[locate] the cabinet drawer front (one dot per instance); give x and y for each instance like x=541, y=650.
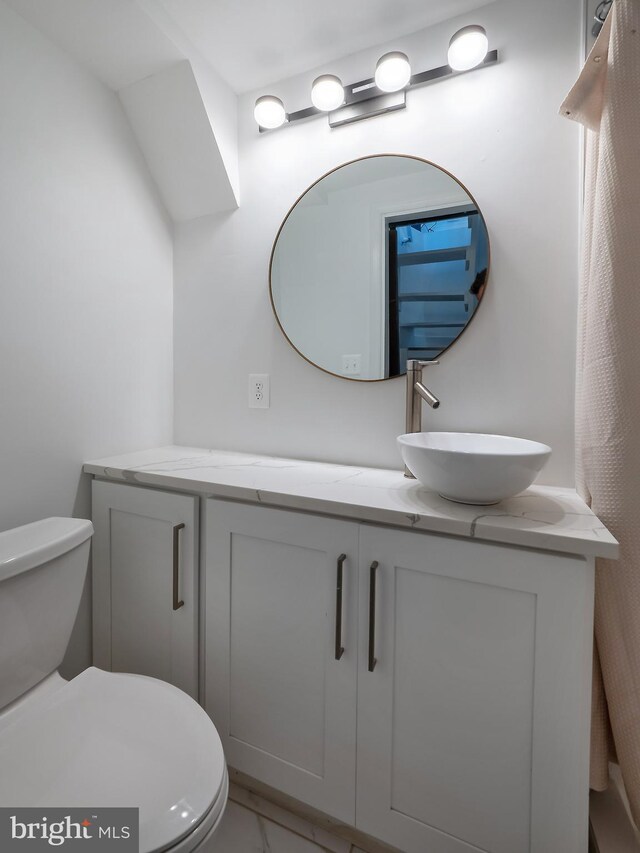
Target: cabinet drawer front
x=471, y=723
x=145, y=583
x=278, y=685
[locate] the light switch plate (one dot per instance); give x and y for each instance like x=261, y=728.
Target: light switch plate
x=258, y=390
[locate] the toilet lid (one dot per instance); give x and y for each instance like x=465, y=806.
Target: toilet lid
x=110, y=739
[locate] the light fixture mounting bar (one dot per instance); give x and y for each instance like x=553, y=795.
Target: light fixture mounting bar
x=366, y=90
x=385, y=102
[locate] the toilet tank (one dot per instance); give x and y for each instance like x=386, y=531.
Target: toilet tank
x=42, y=571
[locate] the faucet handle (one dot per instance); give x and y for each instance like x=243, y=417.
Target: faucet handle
x=415, y=363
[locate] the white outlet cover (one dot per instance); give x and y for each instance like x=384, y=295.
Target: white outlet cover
x=351, y=365
x=258, y=390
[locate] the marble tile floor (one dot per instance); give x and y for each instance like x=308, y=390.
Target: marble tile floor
x=246, y=828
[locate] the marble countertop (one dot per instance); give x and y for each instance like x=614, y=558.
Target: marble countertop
x=544, y=517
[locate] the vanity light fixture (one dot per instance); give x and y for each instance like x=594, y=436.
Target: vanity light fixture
x=382, y=93
x=269, y=112
x=468, y=48
x=327, y=93
x=393, y=71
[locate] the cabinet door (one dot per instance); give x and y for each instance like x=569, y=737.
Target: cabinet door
x=144, y=566
x=473, y=727
x=283, y=698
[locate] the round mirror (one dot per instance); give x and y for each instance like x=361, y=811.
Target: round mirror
x=381, y=260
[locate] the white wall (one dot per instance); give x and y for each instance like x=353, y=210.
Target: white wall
x=85, y=287
x=499, y=132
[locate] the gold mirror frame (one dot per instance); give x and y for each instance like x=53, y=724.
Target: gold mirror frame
x=293, y=207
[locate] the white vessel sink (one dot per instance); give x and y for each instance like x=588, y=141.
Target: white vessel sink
x=473, y=468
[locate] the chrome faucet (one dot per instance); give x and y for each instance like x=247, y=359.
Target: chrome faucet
x=416, y=393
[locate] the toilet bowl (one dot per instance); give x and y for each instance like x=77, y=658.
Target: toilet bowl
x=102, y=739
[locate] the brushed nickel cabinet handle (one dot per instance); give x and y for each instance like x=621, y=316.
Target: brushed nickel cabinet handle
x=177, y=603
x=372, y=615
x=339, y=649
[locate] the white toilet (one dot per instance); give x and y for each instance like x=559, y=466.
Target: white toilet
x=102, y=739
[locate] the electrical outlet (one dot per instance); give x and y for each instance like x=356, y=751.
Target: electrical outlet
x=258, y=390
x=351, y=365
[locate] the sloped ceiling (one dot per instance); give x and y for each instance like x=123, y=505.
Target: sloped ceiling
x=167, y=114
x=115, y=39
x=181, y=111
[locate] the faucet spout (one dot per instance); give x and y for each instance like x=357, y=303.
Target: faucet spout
x=416, y=393
x=427, y=395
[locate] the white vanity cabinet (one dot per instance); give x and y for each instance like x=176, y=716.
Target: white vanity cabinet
x=473, y=730
x=457, y=717
x=280, y=674
x=145, y=580
x=421, y=671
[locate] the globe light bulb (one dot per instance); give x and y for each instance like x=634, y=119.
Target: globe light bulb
x=269, y=112
x=393, y=71
x=327, y=92
x=468, y=47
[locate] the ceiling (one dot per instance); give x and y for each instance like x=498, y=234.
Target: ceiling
x=250, y=43
x=257, y=42
x=115, y=39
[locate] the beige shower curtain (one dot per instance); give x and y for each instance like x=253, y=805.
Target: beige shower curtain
x=606, y=100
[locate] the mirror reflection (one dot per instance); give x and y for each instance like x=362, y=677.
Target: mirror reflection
x=383, y=259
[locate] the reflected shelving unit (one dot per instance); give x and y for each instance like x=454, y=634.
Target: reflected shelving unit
x=437, y=264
